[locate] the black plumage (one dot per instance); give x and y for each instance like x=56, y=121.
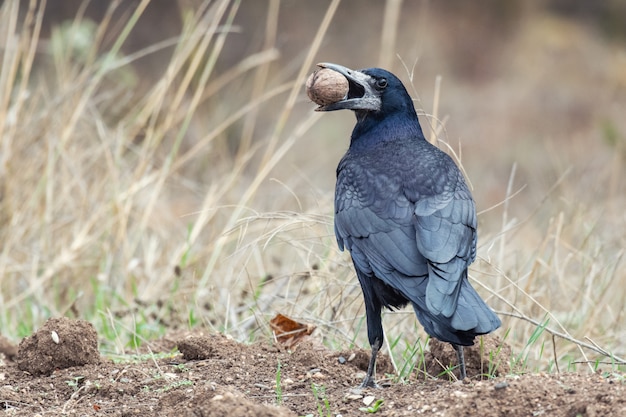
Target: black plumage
x=405, y=213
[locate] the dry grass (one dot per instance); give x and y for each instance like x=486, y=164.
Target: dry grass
x=132, y=210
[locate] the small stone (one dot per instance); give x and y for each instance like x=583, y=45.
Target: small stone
x=368, y=400
x=500, y=385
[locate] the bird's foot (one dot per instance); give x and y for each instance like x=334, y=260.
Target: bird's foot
x=369, y=382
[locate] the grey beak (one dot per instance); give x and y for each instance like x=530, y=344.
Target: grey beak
x=361, y=94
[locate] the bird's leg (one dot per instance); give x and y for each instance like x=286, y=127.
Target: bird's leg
x=369, y=381
x=375, y=333
x=460, y=359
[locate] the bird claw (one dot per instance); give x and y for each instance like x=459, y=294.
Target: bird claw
x=369, y=383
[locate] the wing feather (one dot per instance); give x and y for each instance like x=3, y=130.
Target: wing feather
x=400, y=241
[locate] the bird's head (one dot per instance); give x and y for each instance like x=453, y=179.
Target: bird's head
x=372, y=91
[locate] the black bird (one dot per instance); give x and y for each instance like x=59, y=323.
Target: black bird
x=405, y=213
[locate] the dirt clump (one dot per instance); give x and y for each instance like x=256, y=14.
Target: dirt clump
x=195, y=348
x=60, y=343
x=203, y=347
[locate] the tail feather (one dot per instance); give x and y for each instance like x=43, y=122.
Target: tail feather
x=472, y=313
x=471, y=318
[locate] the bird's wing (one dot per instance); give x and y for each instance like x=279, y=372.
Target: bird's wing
x=373, y=220
x=445, y=229
x=397, y=239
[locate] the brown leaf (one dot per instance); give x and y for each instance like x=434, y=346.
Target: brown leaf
x=288, y=332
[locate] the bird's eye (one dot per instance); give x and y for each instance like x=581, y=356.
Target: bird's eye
x=381, y=83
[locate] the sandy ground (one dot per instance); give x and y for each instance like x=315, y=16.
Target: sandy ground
x=58, y=371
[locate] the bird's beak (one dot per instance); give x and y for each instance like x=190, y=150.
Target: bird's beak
x=361, y=95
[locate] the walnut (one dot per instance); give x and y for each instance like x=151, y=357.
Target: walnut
x=326, y=86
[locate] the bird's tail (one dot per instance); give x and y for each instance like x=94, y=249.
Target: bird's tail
x=471, y=318
x=472, y=313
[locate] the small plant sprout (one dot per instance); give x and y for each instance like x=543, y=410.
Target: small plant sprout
x=323, y=405
x=279, y=388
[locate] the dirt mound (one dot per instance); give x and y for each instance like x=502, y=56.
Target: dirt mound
x=205, y=347
x=361, y=358
x=489, y=356
x=61, y=343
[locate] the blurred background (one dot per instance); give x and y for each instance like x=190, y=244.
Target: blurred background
x=162, y=167
x=515, y=75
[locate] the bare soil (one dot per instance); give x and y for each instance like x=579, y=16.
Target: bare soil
x=57, y=371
